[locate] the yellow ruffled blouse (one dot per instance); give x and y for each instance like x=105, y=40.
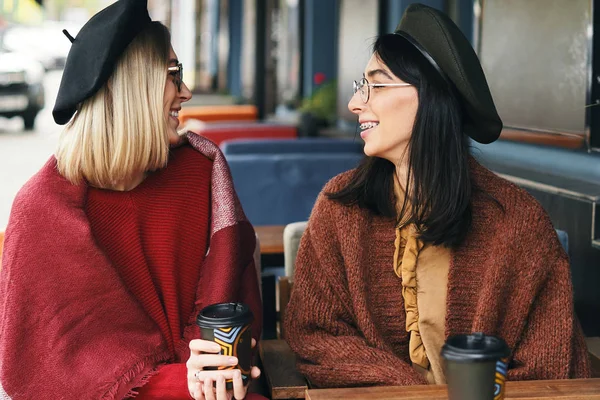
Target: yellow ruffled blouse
x=424, y=291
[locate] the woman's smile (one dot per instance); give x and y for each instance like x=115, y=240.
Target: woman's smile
x=367, y=127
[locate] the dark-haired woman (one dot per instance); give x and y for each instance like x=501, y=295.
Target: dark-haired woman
x=421, y=242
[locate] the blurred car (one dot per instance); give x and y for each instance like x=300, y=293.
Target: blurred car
x=21, y=87
x=45, y=43
x=56, y=42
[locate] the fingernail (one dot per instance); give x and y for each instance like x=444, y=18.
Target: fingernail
x=233, y=361
x=216, y=347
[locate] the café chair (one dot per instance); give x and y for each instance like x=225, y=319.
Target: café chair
x=220, y=132
x=292, y=234
x=563, y=237
x=219, y=113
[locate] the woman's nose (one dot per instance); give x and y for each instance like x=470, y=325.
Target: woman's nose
x=356, y=105
x=185, y=94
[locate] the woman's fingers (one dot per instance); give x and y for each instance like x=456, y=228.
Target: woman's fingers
x=204, y=346
x=239, y=390
x=221, y=388
x=196, y=392
x=213, y=375
x=202, y=361
x=209, y=392
x=210, y=379
x=254, y=372
x=211, y=385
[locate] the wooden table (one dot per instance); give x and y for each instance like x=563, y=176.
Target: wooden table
x=593, y=345
x=271, y=238
x=569, y=389
x=279, y=367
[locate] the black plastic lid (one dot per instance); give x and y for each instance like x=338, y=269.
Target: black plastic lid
x=223, y=315
x=476, y=347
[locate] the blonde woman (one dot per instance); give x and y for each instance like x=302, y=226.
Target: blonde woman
x=116, y=243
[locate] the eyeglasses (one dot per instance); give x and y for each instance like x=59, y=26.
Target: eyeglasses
x=364, y=87
x=177, y=73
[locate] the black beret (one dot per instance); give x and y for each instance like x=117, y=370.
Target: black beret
x=435, y=35
x=95, y=52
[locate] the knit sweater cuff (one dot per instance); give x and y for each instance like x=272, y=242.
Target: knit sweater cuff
x=351, y=363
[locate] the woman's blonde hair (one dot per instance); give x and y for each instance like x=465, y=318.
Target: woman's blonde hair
x=121, y=131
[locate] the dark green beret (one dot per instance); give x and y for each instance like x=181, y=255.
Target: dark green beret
x=95, y=52
x=435, y=35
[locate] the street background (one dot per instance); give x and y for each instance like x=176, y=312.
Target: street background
x=34, y=32
x=22, y=153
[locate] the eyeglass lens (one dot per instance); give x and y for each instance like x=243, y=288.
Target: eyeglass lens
x=177, y=73
x=362, y=86
x=179, y=77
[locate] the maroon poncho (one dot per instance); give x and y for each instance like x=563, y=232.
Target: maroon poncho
x=69, y=328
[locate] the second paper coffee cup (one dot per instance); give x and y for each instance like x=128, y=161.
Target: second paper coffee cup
x=475, y=367
x=229, y=325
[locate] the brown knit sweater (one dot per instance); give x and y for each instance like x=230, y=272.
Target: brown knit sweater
x=510, y=278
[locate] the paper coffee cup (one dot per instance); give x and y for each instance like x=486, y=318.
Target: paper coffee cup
x=229, y=325
x=475, y=367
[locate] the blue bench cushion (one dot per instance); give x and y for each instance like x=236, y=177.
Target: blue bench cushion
x=303, y=145
x=276, y=189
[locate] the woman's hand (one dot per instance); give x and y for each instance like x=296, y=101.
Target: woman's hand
x=205, y=353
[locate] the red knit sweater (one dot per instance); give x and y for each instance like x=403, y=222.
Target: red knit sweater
x=155, y=244
x=158, y=248
x=510, y=278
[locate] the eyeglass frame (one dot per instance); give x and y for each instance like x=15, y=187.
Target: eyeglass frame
x=178, y=70
x=357, y=85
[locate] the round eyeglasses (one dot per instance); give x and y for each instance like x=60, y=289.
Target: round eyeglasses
x=364, y=87
x=177, y=73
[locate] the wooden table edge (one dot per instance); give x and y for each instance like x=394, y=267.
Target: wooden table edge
x=265, y=233
x=564, y=389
